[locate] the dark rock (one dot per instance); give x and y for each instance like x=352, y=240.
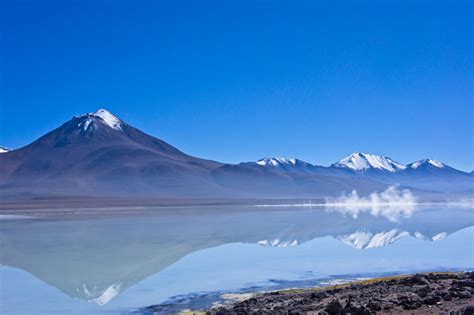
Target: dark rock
x=464, y=283
x=374, y=306
x=416, y=279
x=464, y=294
x=387, y=306
x=334, y=307
x=446, y=296
x=423, y=292
x=318, y=295
x=362, y=310
x=430, y=300
x=468, y=310
x=409, y=302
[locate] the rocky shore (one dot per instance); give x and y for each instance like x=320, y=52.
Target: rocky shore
x=434, y=293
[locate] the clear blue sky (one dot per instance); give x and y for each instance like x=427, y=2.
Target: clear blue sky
x=240, y=80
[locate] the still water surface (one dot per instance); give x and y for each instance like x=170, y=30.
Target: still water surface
x=189, y=256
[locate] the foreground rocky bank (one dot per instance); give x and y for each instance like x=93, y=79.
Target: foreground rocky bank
x=434, y=293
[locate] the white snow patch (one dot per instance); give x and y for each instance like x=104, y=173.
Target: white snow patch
x=276, y=162
x=106, y=117
x=4, y=150
x=363, y=161
x=109, y=119
x=85, y=125
x=435, y=163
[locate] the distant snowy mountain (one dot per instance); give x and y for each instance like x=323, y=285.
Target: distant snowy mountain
x=276, y=162
x=426, y=174
x=435, y=175
x=284, y=165
x=4, y=150
x=426, y=163
x=361, y=162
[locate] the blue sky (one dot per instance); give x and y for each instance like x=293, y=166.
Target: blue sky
x=240, y=80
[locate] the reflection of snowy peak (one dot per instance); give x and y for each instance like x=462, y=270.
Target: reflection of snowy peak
x=278, y=243
x=98, y=296
x=165, y=239
x=365, y=239
x=437, y=237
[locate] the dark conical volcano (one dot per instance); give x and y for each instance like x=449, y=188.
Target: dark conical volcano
x=97, y=152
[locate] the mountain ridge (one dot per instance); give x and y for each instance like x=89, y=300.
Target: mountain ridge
x=102, y=154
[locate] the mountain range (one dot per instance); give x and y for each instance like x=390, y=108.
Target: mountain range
x=100, y=154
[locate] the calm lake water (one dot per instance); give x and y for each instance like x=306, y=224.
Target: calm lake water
x=188, y=257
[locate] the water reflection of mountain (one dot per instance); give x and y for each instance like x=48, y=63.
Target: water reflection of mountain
x=97, y=259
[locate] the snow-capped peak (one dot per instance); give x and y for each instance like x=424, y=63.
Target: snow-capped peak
x=419, y=163
x=109, y=119
x=4, y=150
x=105, y=117
x=276, y=162
x=363, y=161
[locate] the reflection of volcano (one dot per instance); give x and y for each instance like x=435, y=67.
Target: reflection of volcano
x=97, y=259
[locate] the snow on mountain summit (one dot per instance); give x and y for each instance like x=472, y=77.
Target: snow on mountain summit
x=105, y=117
x=276, y=162
x=431, y=162
x=363, y=161
x=4, y=150
x=109, y=119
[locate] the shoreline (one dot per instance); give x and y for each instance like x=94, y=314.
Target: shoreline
x=415, y=293
x=421, y=293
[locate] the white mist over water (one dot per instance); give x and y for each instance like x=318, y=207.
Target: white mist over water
x=391, y=203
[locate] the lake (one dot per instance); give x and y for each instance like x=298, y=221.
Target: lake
x=188, y=257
